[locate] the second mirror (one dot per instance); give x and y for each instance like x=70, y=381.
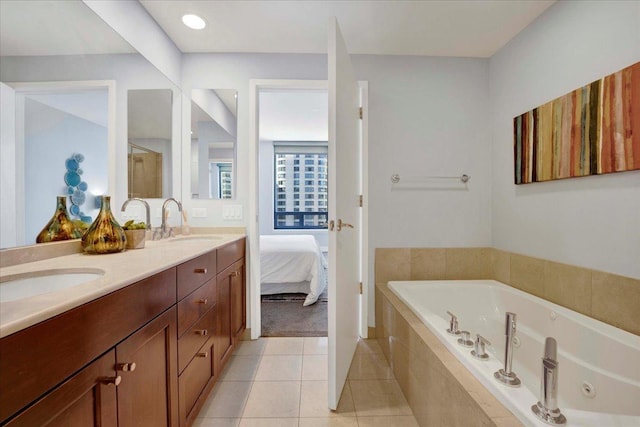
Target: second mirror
x=213, y=143
x=149, y=149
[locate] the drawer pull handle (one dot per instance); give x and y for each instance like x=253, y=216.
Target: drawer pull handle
x=204, y=301
x=111, y=380
x=126, y=367
x=234, y=274
x=200, y=271
x=203, y=354
x=202, y=332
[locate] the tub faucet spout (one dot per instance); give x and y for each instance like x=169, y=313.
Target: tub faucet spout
x=547, y=407
x=506, y=376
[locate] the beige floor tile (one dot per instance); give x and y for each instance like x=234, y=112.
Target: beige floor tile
x=315, y=367
x=281, y=346
x=273, y=399
x=279, y=368
x=328, y=422
x=398, y=421
x=269, y=422
x=216, y=422
x=368, y=346
x=313, y=401
x=378, y=397
x=316, y=345
x=250, y=348
x=226, y=400
x=240, y=368
x=370, y=366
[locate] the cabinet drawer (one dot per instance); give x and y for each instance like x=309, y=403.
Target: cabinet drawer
x=195, y=337
x=230, y=253
x=191, y=308
x=194, y=273
x=195, y=378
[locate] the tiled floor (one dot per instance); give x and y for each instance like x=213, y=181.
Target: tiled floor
x=282, y=382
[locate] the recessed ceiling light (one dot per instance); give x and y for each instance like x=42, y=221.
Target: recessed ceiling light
x=193, y=21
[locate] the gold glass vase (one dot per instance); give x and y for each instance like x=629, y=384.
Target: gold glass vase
x=105, y=235
x=60, y=226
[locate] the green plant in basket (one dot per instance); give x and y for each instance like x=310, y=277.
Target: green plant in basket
x=132, y=225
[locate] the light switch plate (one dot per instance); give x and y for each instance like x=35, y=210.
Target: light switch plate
x=232, y=212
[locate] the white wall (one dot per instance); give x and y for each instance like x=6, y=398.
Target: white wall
x=591, y=221
x=8, y=228
x=427, y=117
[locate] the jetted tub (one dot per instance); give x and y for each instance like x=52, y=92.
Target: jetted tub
x=599, y=365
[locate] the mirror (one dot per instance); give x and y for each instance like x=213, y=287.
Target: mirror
x=213, y=143
x=149, y=143
x=50, y=64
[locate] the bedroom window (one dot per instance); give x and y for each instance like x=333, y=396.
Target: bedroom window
x=313, y=214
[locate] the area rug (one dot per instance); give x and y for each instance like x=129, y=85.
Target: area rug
x=284, y=316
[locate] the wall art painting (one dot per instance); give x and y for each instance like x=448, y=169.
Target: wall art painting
x=591, y=131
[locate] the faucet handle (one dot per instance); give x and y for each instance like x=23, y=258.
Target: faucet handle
x=465, y=339
x=453, y=324
x=478, y=349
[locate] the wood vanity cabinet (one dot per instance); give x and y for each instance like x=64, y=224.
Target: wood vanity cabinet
x=145, y=355
x=231, y=298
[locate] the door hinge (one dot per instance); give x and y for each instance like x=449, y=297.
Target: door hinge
x=361, y=114
x=360, y=200
x=360, y=288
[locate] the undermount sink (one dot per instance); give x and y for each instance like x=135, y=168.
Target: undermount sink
x=18, y=286
x=195, y=238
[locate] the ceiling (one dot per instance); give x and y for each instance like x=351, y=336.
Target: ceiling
x=45, y=27
x=465, y=28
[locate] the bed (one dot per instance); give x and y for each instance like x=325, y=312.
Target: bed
x=292, y=264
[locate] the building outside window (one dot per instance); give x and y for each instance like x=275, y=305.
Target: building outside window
x=287, y=157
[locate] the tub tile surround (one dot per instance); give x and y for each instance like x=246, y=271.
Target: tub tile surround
x=610, y=298
x=439, y=389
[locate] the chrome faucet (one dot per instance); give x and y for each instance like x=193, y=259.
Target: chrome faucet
x=146, y=206
x=506, y=376
x=164, y=230
x=453, y=324
x=547, y=407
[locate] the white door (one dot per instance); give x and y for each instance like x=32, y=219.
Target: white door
x=344, y=187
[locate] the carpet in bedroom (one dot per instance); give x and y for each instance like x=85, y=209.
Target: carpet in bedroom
x=284, y=316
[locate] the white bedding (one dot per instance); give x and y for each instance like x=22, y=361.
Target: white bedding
x=293, y=259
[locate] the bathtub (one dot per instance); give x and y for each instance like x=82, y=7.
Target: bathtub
x=599, y=365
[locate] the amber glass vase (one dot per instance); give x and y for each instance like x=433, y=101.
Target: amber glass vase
x=105, y=235
x=60, y=226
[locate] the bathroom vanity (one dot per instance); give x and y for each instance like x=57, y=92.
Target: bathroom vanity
x=146, y=352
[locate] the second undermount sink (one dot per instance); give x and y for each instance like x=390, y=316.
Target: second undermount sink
x=196, y=238
x=24, y=285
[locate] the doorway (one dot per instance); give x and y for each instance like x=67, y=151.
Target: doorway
x=293, y=201
x=263, y=191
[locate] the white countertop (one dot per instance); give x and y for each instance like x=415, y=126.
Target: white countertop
x=121, y=269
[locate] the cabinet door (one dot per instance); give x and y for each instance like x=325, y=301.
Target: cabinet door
x=147, y=362
x=225, y=342
x=238, y=300
x=87, y=399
